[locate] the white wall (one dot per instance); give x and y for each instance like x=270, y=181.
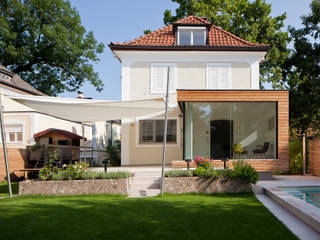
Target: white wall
x=191, y=74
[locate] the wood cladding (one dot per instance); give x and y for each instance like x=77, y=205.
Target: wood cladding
x=314, y=157
x=282, y=99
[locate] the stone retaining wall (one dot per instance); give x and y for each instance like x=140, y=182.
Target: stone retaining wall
x=178, y=185
x=74, y=187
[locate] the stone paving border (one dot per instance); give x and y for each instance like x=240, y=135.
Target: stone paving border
x=306, y=212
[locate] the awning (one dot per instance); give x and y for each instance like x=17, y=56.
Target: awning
x=89, y=110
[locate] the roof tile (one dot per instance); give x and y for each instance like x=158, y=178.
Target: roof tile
x=165, y=37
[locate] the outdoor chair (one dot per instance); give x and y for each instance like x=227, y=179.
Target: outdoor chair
x=261, y=151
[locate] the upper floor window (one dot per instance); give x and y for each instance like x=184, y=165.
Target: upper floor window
x=14, y=133
x=192, y=36
x=159, y=76
x=218, y=76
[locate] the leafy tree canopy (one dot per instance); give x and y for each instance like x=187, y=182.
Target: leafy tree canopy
x=250, y=20
x=44, y=42
x=302, y=72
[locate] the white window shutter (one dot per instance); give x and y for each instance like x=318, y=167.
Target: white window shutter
x=159, y=78
x=172, y=79
x=218, y=76
x=224, y=77
x=212, y=77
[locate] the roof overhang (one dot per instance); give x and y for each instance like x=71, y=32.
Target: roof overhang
x=117, y=47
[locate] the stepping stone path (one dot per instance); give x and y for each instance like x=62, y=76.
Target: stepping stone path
x=145, y=184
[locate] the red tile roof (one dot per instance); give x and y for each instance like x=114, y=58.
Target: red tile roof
x=63, y=132
x=165, y=38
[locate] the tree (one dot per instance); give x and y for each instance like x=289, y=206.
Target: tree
x=302, y=72
x=246, y=19
x=44, y=42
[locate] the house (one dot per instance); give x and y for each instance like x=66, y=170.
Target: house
x=217, y=107
x=22, y=122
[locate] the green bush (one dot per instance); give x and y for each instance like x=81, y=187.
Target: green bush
x=200, y=172
x=179, y=173
x=295, y=157
x=103, y=175
x=243, y=170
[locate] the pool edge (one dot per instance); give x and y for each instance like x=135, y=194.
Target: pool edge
x=306, y=212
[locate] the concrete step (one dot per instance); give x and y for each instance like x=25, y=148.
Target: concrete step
x=144, y=193
x=145, y=185
x=257, y=189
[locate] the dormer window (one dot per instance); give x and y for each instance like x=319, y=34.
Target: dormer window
x=192, y=36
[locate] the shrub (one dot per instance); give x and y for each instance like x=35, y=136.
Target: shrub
x=200, y=172
x=179, y=173
x=46, y=173
x=76, y=170
x=243, y=170
x=103, y=175
x=202, y=162
x=295, y=157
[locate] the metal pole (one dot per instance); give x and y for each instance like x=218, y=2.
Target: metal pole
x=165, y=133
x=4, y=146
x=304, y=153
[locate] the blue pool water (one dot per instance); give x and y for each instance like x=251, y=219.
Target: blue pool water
x=308, y=194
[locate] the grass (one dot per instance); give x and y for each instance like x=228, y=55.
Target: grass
x=4, y=188
x=187, y=216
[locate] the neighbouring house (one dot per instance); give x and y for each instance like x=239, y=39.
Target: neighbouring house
x=22, y=122
x=217, y=107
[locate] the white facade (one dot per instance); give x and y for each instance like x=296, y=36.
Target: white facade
x=189, y=70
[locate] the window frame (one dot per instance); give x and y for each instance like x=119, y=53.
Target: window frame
x=219, y=65
x=158, y=144
x=171, y=65
x=7, y=133
x=192, y=29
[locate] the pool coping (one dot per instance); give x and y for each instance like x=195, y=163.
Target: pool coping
x=306, y=212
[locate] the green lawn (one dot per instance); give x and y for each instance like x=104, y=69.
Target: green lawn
x=116, y=217
x=4, y=188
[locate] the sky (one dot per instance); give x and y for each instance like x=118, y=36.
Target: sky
x=125, y=20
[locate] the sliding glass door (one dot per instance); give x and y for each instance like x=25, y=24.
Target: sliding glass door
x=234, y=130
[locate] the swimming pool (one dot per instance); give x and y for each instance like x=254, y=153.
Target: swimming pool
x=308, y=194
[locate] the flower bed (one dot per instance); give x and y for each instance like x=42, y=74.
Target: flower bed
x=208, y=180
x=76, y=179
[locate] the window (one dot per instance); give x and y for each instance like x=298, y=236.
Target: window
x=236, y=130
x=151, y=131
x=14, y=133
x=192, y=36
x=159, y=76
x=218, y=76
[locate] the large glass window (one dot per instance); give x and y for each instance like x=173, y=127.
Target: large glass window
x=235, y=130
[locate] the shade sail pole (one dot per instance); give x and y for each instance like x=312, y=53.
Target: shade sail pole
x=4, y=146
x=165, y=133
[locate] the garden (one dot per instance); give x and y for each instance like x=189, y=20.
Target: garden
x=208, y=179
x=75, y=178
x=187, y=216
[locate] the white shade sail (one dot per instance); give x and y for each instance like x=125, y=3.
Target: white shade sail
x=89, y=110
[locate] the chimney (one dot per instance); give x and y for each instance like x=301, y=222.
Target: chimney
x=80, y=94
